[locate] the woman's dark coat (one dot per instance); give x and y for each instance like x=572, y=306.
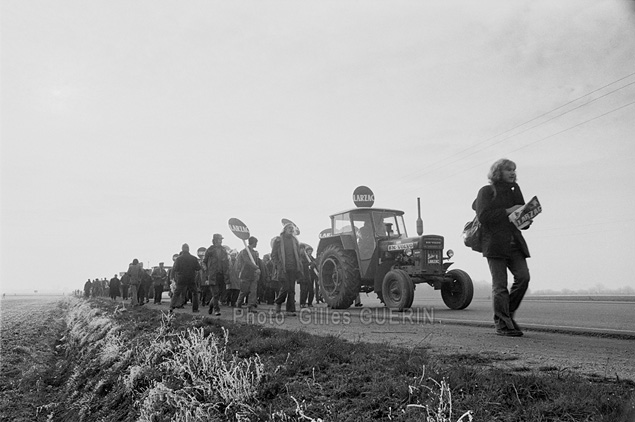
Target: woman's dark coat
x=498, y=232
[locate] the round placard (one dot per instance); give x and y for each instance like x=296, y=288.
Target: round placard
x=238, y=228
x=363, y=197
x=325, y=233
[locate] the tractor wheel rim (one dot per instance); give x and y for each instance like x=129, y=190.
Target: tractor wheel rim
x=394, y=291
x=334, y=279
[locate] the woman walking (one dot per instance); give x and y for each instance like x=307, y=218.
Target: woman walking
x=503, y=244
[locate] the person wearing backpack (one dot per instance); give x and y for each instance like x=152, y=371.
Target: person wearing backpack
x=503, y=244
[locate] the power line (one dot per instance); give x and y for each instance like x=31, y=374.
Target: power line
x=429, y=169
x=574, y=126
x=544, y=122
x=572, y=101
x=454, y=173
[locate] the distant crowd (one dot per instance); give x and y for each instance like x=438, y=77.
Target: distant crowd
x=219, y=276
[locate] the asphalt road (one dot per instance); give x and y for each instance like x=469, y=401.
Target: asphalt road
x=593, y=317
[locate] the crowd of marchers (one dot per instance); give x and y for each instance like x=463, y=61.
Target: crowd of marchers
x=221, y=277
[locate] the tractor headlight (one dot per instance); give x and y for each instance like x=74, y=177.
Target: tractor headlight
x=450, y=253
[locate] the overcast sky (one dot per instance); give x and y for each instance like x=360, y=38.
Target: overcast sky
x=129, y=128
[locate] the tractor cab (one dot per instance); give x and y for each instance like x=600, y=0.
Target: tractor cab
x=366, y=227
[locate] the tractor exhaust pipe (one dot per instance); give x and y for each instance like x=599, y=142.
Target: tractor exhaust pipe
x=419, y=220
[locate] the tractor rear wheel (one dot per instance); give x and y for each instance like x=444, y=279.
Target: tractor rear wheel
x=339, y=276
x=458, y=293
x=397, y=290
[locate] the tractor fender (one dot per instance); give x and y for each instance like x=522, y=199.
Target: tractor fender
x=345, y=240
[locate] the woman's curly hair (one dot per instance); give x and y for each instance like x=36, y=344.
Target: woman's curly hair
x=496, y=171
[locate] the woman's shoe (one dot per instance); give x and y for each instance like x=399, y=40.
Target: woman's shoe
x=508, y=332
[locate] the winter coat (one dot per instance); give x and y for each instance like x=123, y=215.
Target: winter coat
x=216, y=261
x=268, y=272
x=499, y=234
x=114, y=287
x=233, y=282
x=136, y=273
x=159, y=276
x=185, y=267
x=125, y=279
x=278, y=255
x=146, y=279
x=247, y=269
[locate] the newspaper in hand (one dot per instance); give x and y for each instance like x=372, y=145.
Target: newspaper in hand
x=523, y=216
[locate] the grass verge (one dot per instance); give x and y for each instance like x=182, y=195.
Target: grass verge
x=140, y=365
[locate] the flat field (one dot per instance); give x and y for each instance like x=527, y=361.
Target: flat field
x=30, y=330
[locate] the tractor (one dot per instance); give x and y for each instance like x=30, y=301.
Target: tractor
x=367, y=249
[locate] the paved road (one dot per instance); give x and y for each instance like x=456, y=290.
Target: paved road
x=594, y=317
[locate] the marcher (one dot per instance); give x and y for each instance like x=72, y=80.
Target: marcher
x=125, y=286
x=249, y=274
x=145, y=288
x=96, y=288
x=114, y=287
x=159, y=277
x=201, y=279
x=269, y=286
x=307, y=281
x=88, y=286
x=232, y=286
x=503, y=244
x=135, y=272
x=171, y=283
x=185, y=268
x=285, y=254
x=216, y=266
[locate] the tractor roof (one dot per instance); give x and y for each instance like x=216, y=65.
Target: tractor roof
x=362, y=209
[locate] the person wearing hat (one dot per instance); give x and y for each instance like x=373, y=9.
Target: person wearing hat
x=309, y=277
x=159, y=277
x=216, y=267
x=185, y=268
x=285, y=254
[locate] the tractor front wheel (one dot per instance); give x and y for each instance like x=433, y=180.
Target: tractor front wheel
x=457, y=294
x=397, y=290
